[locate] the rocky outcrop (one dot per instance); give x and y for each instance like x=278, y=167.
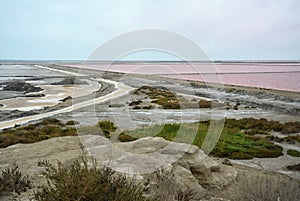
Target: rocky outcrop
x=191, y=167
x=20, y=86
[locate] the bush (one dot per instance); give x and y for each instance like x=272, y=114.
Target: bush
x=107, y=126
x=266, y=187
x=82, y=183
x=163, y=186
x=293, y=138
x=134, y=103
x=72, y=122
x=293, y=153
x=295, y=167
x=12, y=181
x=204, y=104
x=125, y=138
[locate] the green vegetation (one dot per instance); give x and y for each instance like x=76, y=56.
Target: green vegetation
x=168, y=100
x=293, y=138
x=80, y=182
x=72, y=122
x=205, y=104
x=295, y=167
x=294, y=153
x=237, y=140
x=125, y=138
x=12, y=181
x=134, y=103
x=167, y=103
x=43, y=130
x=107, y=127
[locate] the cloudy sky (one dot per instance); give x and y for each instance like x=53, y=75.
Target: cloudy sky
x=225, y=29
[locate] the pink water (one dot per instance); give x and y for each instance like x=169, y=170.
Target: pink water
x=282, y=76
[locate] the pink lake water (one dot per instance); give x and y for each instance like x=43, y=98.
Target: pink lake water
x=282, y=76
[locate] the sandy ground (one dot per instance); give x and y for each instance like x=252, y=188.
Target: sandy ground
x=53, y=95
x=121, y=89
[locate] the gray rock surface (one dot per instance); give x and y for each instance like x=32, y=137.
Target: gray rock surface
x=190, y=166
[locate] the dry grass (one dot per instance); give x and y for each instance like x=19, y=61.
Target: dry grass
x=263, y=187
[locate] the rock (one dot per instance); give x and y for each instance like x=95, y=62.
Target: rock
x=21, y=86
x=191, y=167
x=146, y=155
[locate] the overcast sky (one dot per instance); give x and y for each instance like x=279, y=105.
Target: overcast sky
x=225, y=29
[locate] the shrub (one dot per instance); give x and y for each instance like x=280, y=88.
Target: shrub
x=266, y=187
x=80, y=182
x=168, y=103
x=107, y=126
x=204, y=104
x=125, y=138
x=293, y=138
x=295, y=167
x=134, y=103
x=12, y=181
x=163, y=186
x=72, y=122
x=149, y=107
x=294, y=153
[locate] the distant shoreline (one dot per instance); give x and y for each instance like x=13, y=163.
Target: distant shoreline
x=8, y=61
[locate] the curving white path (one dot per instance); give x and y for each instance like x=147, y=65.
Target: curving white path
x=121, y=89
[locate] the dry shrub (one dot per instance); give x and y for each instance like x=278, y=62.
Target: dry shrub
x=264, y=187
x=162, y=185
x=81, y=182
x=12, y=181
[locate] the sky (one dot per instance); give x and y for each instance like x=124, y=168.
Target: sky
x=224, y=29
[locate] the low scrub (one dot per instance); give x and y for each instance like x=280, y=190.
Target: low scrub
x=13, y=181
x=125, y=138
x=43, y=130
x=107, y=127
x=71, y=123
x=294, y=153
x=263, y=186
x=80, y=182
x=295, y=167
x=233, y=142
